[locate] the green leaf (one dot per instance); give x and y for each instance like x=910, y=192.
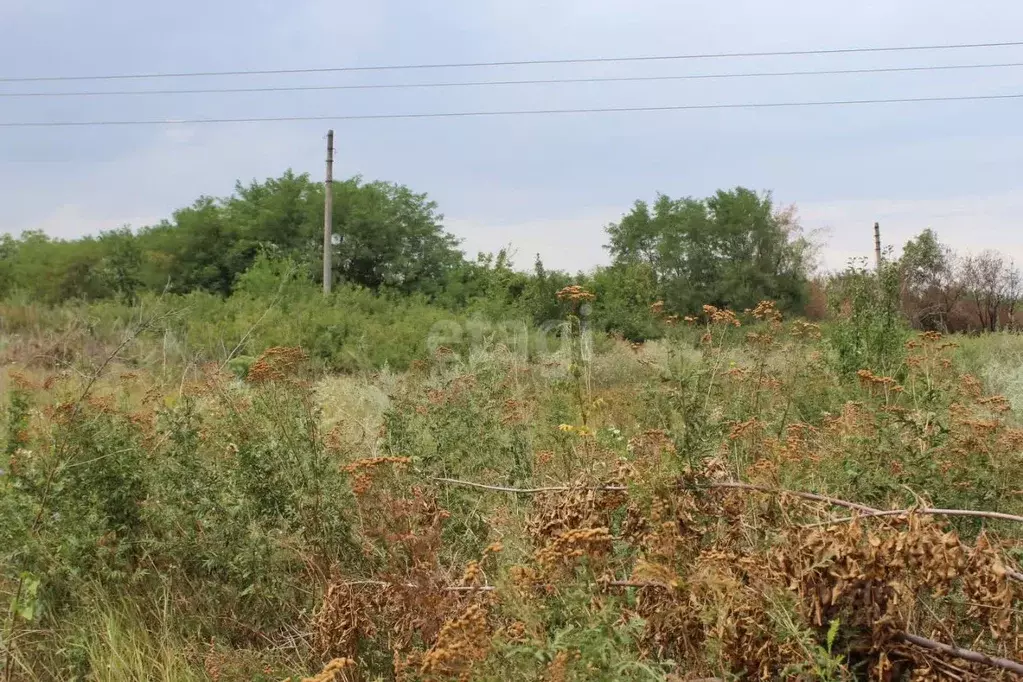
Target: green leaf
x=27, y=605
x=833, y=632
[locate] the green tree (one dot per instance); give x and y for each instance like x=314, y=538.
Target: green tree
x=389, y=237
x=625, y=292
x=121, y=264
x=732, y=249
x=539, y=296
x=53, y=270
x=931, y=282
x=279, y=211
x=200, y=248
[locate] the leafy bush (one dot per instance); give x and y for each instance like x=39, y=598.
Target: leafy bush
x=868, y=331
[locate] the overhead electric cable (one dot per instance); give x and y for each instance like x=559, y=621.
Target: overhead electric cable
x=512, y=112
x=520, y=62
x=539, y=81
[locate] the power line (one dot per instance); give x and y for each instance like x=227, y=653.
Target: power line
x=541, y=81
x=520, y=62
x=520, y=112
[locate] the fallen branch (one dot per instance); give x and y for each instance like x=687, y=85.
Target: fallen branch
x=867, y=511
x=639, y=584
x=964, y=654
x=529, y=491
x=493, y=588
x=923, y=511
x=871, y=512
x=834, y=501
x=446, y=588
x=780, y=491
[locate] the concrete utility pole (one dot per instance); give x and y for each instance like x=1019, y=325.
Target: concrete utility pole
x=328, y=214
x=877, y=245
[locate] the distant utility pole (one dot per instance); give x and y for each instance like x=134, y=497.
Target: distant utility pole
x=877, y=246
x=328, y=214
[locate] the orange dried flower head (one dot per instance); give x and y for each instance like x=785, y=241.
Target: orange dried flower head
x=767, y=311
x=575, y=294
x=462, y=641
x=335, y=671
x=275, y=364
x=722, y=316
x=802, y=329
x=472, y=573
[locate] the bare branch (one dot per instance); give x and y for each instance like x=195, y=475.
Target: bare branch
x=780, y=491
x=922, y=511
x=964, y=654
x=529, y=491
x=446, y=588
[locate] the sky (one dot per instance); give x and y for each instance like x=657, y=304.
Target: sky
x=544, y=185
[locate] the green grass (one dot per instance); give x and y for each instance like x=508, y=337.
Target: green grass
x=997, y=359
x=185, y=524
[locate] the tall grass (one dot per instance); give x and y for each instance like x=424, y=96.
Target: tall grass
x=257, y=520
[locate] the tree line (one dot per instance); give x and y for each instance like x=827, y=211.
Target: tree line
x=732, y=249
x=942, y=290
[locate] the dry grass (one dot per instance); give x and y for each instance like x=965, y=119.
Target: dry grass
x=634, y=556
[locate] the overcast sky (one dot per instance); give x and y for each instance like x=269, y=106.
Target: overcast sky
x=543, y=184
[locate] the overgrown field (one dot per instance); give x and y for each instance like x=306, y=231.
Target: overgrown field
x=598, y=511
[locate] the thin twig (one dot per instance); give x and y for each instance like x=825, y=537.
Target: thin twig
x=76, y=409
x=446, y=588
x=529, y=491
x=780, y=491
x=870, y=512
x=273, y=303
x=867, y=511
x=964, y=654
x=923, y=511
x=142, y=326
x=493, y=588
x=51, y=474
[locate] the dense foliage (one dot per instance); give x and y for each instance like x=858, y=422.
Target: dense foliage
x=731, y=249
x=388, y=238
